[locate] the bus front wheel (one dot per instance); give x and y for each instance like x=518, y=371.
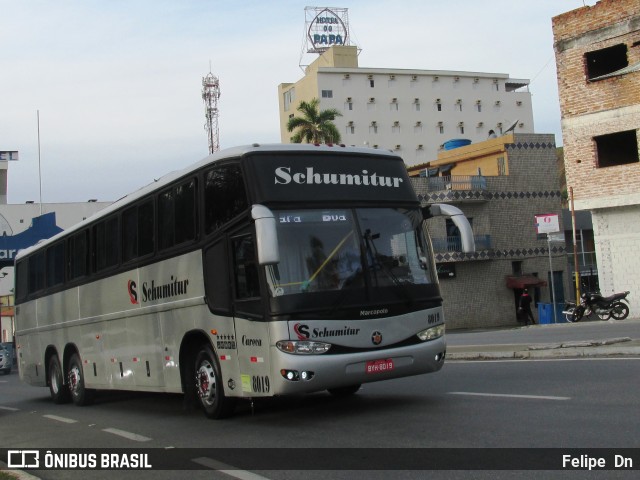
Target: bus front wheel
x=209, y=388
x=80, y=395
x=60, y=392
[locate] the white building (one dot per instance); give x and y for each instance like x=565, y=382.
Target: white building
x=412, y=111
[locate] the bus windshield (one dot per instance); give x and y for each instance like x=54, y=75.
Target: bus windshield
x=326, y=250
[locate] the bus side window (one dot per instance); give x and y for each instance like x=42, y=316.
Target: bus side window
x=177, y=215
x=138, y=231
x=55, y=264
x=36, y=272
x=245, y=268
x=22, y=279
x=224, y=196
x=78, y=255
x=216, y=277
x=106, y=243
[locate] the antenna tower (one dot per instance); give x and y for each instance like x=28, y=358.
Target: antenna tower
x=210, y=96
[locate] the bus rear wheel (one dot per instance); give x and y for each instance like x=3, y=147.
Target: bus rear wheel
x=80, y=395
x=209, y=388
x=60, y=392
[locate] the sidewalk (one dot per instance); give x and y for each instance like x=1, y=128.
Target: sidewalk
x=612, y=347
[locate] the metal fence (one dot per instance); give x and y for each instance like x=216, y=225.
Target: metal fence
x=457, y=182
x=454, y=243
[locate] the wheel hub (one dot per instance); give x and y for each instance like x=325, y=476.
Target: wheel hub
x=206, y=382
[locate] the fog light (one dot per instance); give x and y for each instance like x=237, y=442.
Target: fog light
x=291, y=375
x=306, y=375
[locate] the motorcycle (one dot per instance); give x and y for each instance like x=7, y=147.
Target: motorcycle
x=604, y=307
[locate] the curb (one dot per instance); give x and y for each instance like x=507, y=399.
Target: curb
x=18, y=474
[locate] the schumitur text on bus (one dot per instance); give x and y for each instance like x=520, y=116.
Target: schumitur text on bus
x=284, y=176
x=156, y=292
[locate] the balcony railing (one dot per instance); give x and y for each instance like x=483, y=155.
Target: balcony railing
x=586, y=260
x=457, y=182
x=454, y=244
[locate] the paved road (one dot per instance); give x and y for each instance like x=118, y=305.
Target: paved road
x=530, y=404
x=589, y=403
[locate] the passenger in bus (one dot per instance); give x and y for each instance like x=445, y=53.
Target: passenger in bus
x=322, y=271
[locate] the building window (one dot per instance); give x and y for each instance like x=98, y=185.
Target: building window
x=516, y=268
x=479, y=106
x=393, y=106
x=289, y=97
x=439, y=106
x=327, y=93
x=371, y=83
x=617, y=149
x=349, y=105
x=605, y=61
x=441, y=128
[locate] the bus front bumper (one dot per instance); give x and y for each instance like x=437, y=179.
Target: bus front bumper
x=295, y=374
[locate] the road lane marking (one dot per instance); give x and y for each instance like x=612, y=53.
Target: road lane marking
x=505, y=395
x=131, y=436
x=10, y=409
x=227, y=469
x=60, y=419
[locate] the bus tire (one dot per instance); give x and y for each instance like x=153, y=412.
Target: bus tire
x=209, y=388
x=80, y=395
x=344, y=391
x=60, y=392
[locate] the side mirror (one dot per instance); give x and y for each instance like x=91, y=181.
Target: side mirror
x=458, y=218
x=266, y=235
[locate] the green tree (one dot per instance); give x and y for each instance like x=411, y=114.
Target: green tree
x=314, y=126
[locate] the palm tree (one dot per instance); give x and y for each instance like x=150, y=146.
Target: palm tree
x=314, y=126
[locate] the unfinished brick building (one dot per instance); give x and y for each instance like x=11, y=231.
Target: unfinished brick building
x=598, y=65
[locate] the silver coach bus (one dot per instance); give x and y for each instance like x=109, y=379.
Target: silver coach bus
x=259, y=271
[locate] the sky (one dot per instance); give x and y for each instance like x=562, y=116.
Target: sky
x=116, y=84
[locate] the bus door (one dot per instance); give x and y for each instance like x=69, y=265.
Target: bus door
x=252, y=332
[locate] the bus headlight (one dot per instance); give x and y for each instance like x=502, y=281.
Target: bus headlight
x=431, y=333
x=303, y=347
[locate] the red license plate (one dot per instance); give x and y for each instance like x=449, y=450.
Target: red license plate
x=379, y=366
